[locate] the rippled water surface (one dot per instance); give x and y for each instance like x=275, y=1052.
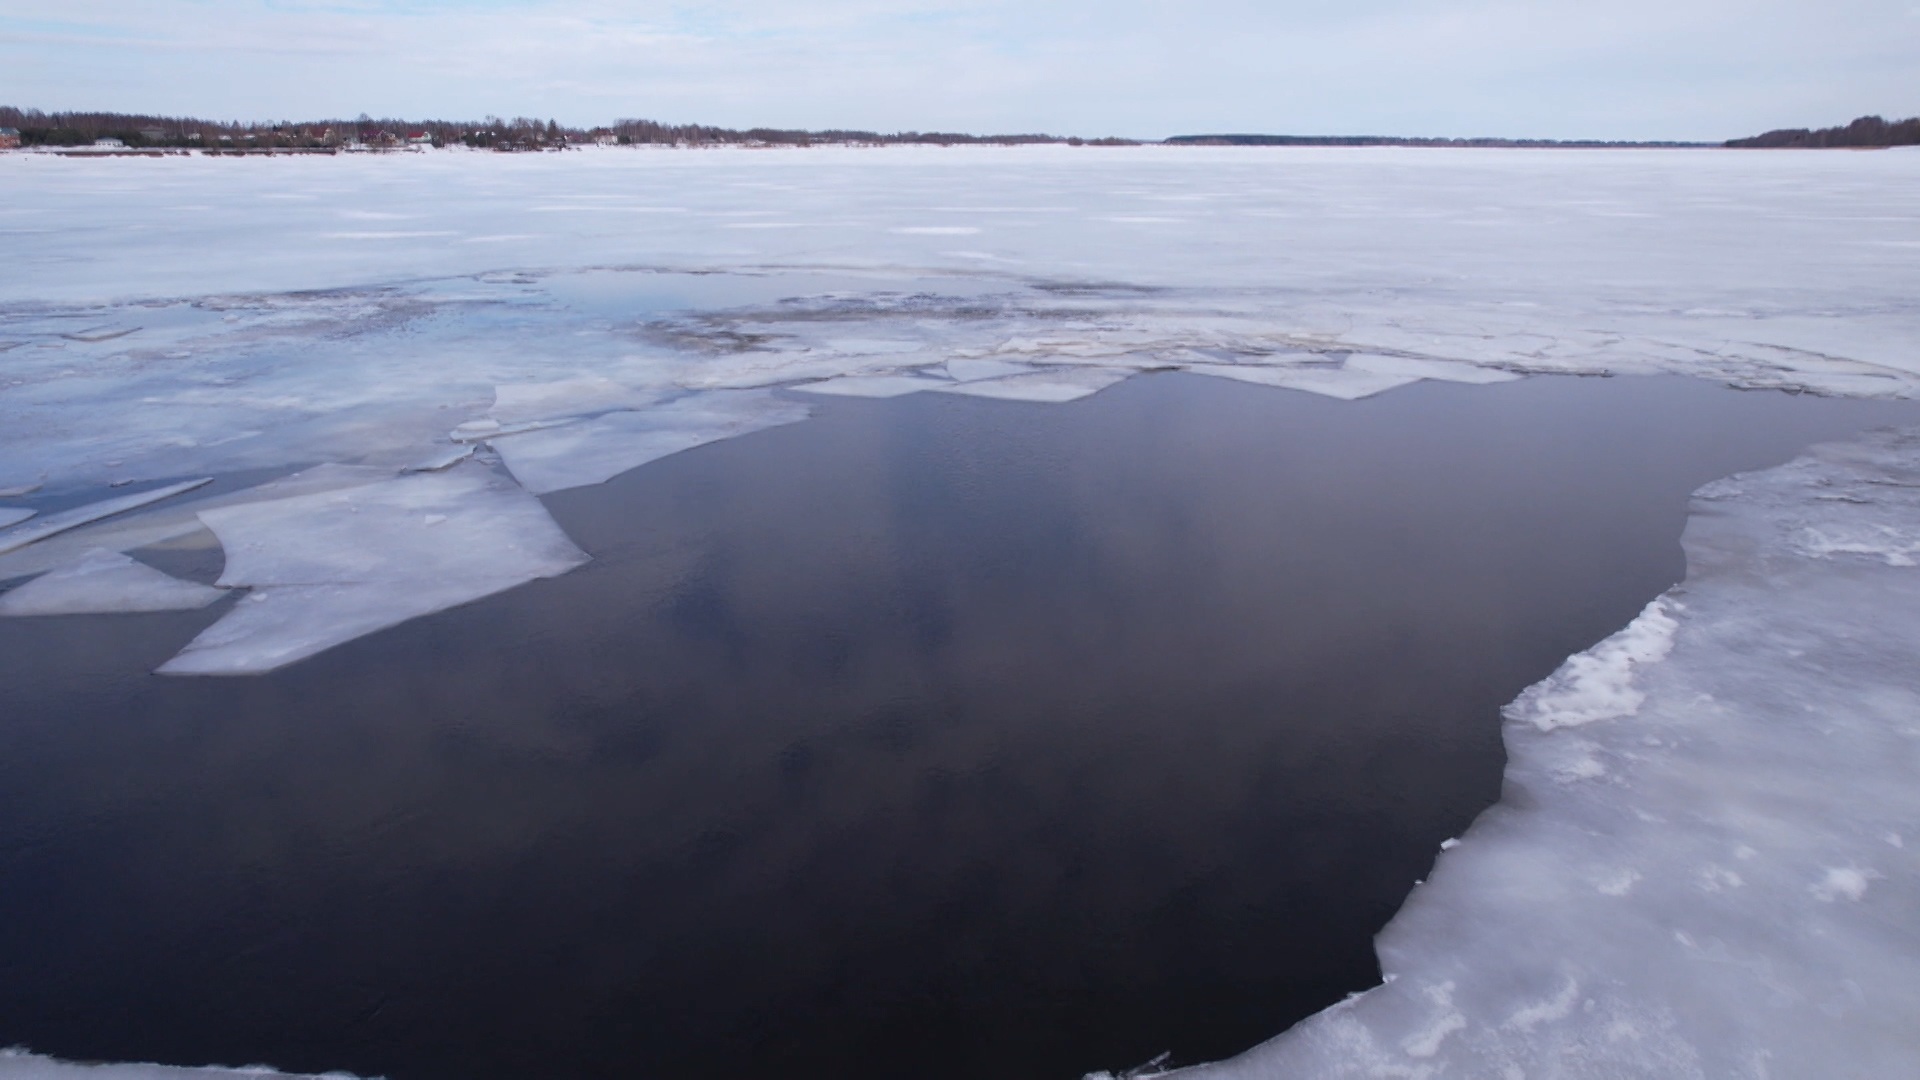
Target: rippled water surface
x=937, y=735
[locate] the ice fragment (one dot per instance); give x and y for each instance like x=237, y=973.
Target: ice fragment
x=55, y=524
x=103, y=582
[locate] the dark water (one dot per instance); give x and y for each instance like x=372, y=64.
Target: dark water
x=935, y=736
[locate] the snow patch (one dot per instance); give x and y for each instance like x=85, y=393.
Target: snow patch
x=1599, y=683
x=1842, y=883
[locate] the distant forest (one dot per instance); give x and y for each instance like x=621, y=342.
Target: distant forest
x=522, y=133
x=1866, y=131
x=140, y=131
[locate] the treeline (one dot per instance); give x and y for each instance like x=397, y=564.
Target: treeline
x=521, y=133
x=1394, y=140
x=1866, y=131
x=79, y=128
x=39, y=128
x=650, y=132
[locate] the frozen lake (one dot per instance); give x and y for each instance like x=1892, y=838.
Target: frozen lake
x=868, y=612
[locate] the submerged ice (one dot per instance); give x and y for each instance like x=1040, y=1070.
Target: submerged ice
x=1703, y=864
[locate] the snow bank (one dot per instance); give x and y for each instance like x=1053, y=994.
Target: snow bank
x=1706, y=861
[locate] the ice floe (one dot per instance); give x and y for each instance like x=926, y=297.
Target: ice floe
x=103, y=582
x=329, y=567
x=13, y=515
x=1347, y=384
x=54, y=524
x=593, y=451
x=1053, y=386
x=1689, y=873
x=171, y=522
x=871, y=386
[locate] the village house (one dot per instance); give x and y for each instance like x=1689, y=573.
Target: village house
x=9, y=139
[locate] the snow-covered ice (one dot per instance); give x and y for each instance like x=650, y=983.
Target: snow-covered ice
x=103, y=582
x=1697, y=868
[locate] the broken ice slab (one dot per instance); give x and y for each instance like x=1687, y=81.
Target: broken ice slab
x=13, y=515
x=105, y=582
x=99, y=334
x=1047, y=386
x=55, y=524
x=518, y=403
x=444, y=458
x=333, y=566
x=1414, y=367
x=17, y=490
x=593, y=451
x=1704, y=862
x=970, y=369
x=148, y=527
x=474, y=431
x=1334, y=382
x=872, y=386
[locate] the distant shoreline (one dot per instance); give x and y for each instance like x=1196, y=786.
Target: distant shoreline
x=130, y=134
x=1395, y=140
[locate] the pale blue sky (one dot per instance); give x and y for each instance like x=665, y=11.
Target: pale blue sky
x=1704, y=69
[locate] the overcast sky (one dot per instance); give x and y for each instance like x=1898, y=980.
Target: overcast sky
x=1685, y=69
